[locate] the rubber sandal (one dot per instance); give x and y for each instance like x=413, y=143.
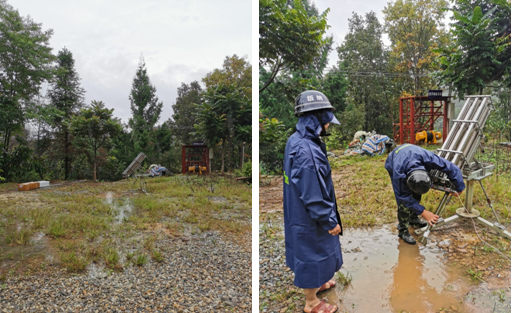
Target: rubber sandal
x=322, y=307
x=328, y=285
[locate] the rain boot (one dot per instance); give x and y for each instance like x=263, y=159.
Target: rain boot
x=417, y=222
x=406, y=236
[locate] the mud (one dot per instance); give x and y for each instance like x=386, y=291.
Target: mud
x=389, y=275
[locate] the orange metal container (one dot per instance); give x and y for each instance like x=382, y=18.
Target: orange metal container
x=28, y=186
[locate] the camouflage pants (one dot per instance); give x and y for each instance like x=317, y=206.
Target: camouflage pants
x=406, y=215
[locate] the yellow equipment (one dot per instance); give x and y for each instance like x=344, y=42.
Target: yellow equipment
x=428, y=136
x=197, y=169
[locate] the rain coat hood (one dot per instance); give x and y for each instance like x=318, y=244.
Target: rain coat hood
x=408, y=158
x=309, y=207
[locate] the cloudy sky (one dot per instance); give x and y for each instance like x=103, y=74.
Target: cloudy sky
x=339, y=14
x=341, y=11
x=181, y=41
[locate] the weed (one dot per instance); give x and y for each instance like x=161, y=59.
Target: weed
x=56, y=229
x=129, y=255
x=111, y=257
x=343, y=279
x=73, y=262
x=157, y=256
x=149, y=242
x=140, y=260
x=475, y=275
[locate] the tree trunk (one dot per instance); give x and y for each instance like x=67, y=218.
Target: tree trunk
x=66, y=154
x=222, y=158
x=94, y=167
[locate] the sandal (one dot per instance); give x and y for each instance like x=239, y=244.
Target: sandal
x=327, y=285
x=322, y=307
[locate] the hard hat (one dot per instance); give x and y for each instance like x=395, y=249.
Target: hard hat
x=419, y=181
x=311, y=100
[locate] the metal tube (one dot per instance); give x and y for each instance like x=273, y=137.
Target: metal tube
x=460, y=130
x=455, y=127
x=469, y=133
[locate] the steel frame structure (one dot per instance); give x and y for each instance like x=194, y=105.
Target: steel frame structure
x=417, y=114
x=194, y=155
x=459, y=148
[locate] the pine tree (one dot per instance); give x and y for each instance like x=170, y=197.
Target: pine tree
x=67, y=97
x=145, y=109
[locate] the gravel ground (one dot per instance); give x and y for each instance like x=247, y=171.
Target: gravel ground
x=205, y=273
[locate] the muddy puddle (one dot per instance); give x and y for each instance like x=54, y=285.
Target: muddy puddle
x=389, y=275
x=123, y=208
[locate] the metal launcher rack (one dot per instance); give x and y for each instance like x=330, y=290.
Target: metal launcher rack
x=131, y=170
x=459, y=148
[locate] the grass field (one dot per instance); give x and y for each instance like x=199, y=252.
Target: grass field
x=109, y=224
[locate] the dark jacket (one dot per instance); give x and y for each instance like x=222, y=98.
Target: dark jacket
x=407, y=158
x=309, y=208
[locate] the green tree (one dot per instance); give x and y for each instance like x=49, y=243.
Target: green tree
x=183, y=118
x=235, y=71
x=291, y=35
x=25, y=63
x=363, y=58
x=93, y=128
x=415, y=29
x=67, y=96
x=224, y=118
x=273, y=138
x=145, y=109
x=480, y=54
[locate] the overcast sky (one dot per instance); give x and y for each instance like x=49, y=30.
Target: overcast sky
x=341, y=11
x=339, y=14
x=180, y=40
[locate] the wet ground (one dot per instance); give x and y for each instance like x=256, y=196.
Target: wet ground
x=386, y=275
x=389, y=275
x=454, y=272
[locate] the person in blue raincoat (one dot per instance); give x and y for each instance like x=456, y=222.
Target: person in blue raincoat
x=311, y=220
x=408, y=167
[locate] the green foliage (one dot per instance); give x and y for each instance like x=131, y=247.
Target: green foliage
x=415, y=29
x=273, y=138
x=480, y=52
x=66, y=97
x=145, y=110
x=335, y=141
x=224, y=118
x=25, y=60
x=247, y=169
x=93, y=129
x=291, y=35
x=183, y=118
x=362, y=56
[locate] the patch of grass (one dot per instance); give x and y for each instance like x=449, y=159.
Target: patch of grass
x=140, y=260
x=129, y=255
x=56, y=229
x=149, y=242
x=157, y=256
x=111, y=258
x=19, y=237
x=73, y=262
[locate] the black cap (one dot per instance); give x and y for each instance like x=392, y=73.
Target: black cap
x=419, y=181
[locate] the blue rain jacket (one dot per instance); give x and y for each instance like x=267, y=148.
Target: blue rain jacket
x=309, y=208
x=407, y=158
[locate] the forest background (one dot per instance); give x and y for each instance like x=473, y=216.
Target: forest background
x=48, y=131
x=469, y=55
